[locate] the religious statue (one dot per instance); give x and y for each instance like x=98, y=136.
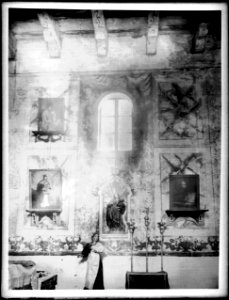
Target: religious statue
x=115, y=214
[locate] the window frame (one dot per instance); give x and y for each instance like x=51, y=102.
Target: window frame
x=114, y=96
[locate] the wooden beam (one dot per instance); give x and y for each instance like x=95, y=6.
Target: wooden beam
x=152, y=33
x=199, y=39
x=100, y=30
x=51, y=35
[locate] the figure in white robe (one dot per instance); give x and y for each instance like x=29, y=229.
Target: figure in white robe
x=93, y=252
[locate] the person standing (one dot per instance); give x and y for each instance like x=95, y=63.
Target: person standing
x=93, y=253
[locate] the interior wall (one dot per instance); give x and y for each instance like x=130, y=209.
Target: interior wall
x=71, y=273
x=145, y=171
x=81, y=78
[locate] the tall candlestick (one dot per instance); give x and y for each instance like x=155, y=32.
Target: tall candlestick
x=147, y=237
x=162, y=228
x=131, y=227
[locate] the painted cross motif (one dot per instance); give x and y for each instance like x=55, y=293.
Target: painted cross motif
x=183, y=165
x=179, y=112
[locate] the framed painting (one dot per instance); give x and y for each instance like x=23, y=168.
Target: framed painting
x=51, y=115
x=184, y=192
x=114, y=211
x=45, y=189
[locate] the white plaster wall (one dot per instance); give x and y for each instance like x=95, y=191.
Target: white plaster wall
x=124, y=53
x=183, y=272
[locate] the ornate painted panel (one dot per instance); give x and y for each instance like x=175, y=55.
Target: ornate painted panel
x=179, y=111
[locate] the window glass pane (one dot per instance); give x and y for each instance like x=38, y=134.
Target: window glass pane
x=108, y=108
x=107, y=124
x=107, y=142
x=125, y=141
x=115, y=124
x=124, y=107
x=124, y=124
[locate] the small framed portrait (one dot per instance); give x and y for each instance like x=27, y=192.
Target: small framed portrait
x=114, y=211
x=184, y=192
x=45, y=189
x=51, y=115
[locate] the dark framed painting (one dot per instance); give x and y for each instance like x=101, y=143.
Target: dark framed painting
x=45, y=189
x=184, y=192
x=51, y=115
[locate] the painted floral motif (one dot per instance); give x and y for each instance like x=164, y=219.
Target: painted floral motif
x=180, y=244
x=40, y=244
x=75, y=244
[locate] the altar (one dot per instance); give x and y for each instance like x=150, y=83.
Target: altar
x=147, y=280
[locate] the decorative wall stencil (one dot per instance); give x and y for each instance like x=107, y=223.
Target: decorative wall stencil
x=114, y=209
x=142, y=82
x=48, y=244
x=180, y=244
x=183, y=166
x=74, y=243
x=179, y=112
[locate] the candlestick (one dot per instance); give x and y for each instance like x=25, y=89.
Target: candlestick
x=162, y=227
x=146, y=218
x=131, y=227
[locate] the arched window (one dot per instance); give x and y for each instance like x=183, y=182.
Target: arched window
x=115, y=123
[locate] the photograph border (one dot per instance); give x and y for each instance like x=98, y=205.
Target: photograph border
x=223, y=258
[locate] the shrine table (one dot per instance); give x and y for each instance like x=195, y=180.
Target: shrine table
x=147, y=280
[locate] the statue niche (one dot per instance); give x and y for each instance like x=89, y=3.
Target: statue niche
x=114, y=209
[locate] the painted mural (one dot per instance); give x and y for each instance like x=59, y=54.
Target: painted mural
x=179, y=111
x=69, y=244
x=182, y=114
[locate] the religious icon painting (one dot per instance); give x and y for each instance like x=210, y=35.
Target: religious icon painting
x=184, y=192
x=45, y=189
x=114, y=210
x=51, y=115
